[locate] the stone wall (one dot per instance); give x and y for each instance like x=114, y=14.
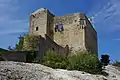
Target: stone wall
x=14, y=56
x=91, y=38
x=66, y=19
x=41, y=23
x=76, y=35
x=48, y=44
x=73, y=34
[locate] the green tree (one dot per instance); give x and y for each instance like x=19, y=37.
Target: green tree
x=19, y=45
x=105, y=60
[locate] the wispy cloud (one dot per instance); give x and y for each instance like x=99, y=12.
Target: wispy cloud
x=7, y=22
x=10, y=25
x=107, y=17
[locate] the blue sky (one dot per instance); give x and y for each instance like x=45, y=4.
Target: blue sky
x=14, y=20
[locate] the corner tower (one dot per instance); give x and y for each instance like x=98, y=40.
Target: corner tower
x=41, y=23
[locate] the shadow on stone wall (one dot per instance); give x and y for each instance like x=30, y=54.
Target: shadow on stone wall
x=19, y=56
x=48, y=44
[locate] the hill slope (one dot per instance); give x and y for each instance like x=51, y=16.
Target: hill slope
x=26, y=71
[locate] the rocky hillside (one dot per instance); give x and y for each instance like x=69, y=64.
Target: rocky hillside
x=26, y=71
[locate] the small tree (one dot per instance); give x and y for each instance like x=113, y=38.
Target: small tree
x=105, y=60
x=19, y=45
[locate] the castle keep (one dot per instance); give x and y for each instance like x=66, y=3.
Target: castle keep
x=72, y=30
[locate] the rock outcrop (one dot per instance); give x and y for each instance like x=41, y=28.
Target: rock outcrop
x=29, y=71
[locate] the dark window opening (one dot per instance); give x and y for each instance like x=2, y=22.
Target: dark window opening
x=59, y=28
x=53, y=49
x=75, y=20
x=36, y=28
x=81, y=22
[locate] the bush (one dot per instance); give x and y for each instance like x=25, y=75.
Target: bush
x=54, y=60
x=84, y=61
x=105, y=60
x=30, y=56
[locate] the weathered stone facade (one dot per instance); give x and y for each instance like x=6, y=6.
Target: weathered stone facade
x=77, y=33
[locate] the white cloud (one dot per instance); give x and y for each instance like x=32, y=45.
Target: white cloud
x=108, y=16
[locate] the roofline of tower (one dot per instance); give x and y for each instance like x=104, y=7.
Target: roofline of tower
x=41, y=9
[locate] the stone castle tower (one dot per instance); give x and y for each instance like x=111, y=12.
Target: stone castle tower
x=74, y=30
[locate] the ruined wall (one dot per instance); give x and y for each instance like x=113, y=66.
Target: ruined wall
x=78, y=32
x=38, y=23
x=73, y=34
x=90, y=37
x=41, y=23
x=48, y=44
x=50, y=24
x=31, y=42
x=14, y=56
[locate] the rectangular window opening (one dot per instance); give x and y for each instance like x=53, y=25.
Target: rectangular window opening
x=36, y=28
x=81, y=22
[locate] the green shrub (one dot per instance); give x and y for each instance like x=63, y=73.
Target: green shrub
x=30, y=56
x=31, y=43
x=54, y=60
x=84, y=61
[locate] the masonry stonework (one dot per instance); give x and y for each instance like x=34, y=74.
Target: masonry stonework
x=78, y=33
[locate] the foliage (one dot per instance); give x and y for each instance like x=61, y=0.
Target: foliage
x=30, y=56
x=31, y=43
x=85, y=61
x=82, y=61
x=37, y=60
x=105, y=60
x=54, y=60
x=19, y=46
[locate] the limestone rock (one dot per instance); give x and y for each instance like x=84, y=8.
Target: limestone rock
x=26, y=71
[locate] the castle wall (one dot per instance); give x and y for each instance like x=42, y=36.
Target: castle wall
x=73, y=34
x=50, y=24
x=76, y=35
x=90, y=38
x=14, y=56
x=48, y=44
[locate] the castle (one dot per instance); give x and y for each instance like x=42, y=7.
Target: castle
x=72, y=30
x=62, y=34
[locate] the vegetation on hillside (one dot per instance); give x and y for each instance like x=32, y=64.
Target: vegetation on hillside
x=31, y=43
x=81, y=61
